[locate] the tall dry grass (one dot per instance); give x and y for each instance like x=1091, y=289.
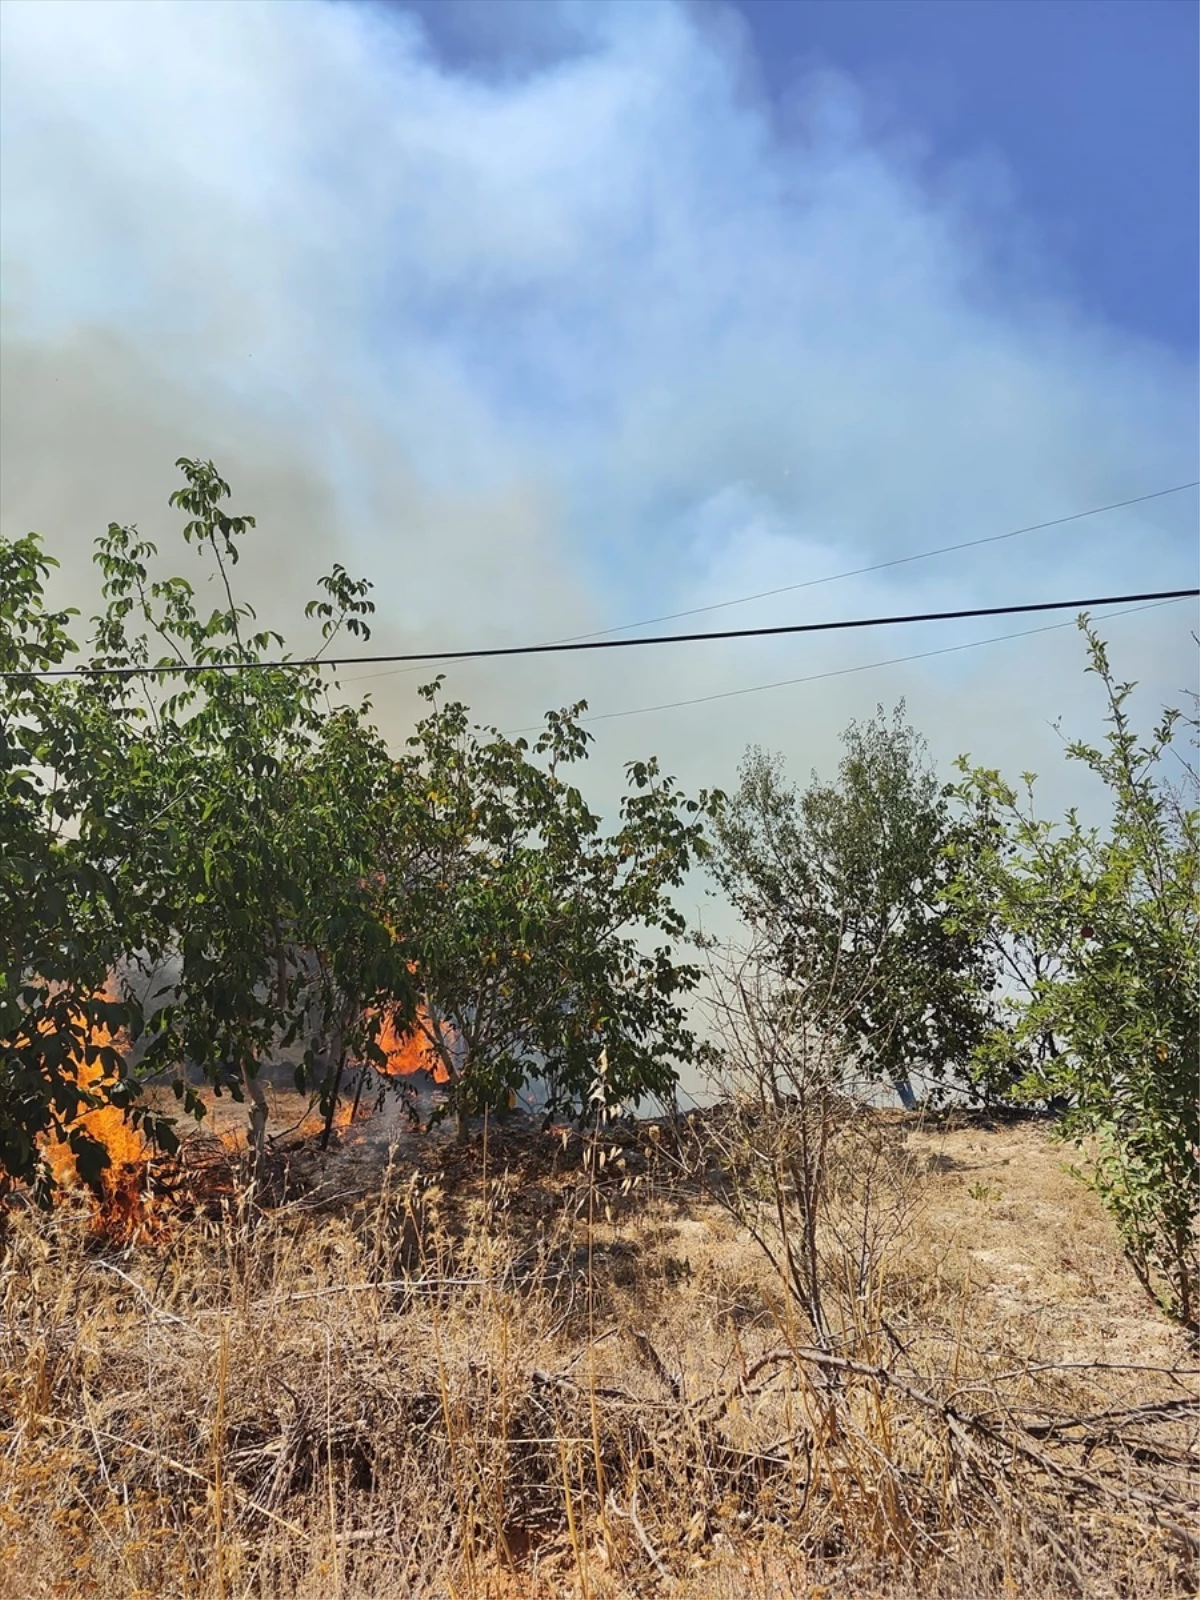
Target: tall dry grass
x=542, y=1367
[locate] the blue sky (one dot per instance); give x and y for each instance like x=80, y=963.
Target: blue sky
x=1090, y=105
x=552, y=318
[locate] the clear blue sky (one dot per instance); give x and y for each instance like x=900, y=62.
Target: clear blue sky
x=1091, y=105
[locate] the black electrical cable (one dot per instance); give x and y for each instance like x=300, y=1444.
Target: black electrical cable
x=171, y=668
x=850, y=572
x=838, y=672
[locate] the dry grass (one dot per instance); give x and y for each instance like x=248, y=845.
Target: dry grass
x=517, y=1370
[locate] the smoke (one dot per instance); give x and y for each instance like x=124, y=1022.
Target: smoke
x=576, y=332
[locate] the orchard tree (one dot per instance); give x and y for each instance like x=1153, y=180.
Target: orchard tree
x=542, y=945
x=255, y=865
x=1111, y=914
x=845, y=883
x=179, y=804
x=187, y=801
x=70, y=761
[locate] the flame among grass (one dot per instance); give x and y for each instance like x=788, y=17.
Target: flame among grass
x=121, y=1210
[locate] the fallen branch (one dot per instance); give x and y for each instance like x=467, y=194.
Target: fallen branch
x=632, y=1516
x=962, y=1425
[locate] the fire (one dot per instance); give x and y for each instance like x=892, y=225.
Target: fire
x=120, y=1212
x=411, y=1051
x=126, y=1210
x=406, y=1053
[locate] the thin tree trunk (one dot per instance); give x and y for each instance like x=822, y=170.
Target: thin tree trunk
x=331, y=1108
x=259, y=1112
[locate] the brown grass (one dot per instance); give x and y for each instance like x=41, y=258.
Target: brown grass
x=542, y=1367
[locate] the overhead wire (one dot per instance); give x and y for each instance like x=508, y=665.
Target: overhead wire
x=495, y=652
x=850, y=572
x=839, y=672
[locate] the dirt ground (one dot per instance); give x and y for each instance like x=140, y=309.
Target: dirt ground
x=1033, y=1243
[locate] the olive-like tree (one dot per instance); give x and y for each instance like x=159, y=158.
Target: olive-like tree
x=846, y=881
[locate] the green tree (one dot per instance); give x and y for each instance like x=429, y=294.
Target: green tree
x=220, y=824
x=530, y=928
x=846, y=882
x=198, y=810
x=69, y=759
x=254, y=868
x=1108, y=1022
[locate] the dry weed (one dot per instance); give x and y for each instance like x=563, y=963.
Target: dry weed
x=547, y=1367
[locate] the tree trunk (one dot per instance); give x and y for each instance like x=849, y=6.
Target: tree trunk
x=335, y=1052
x=331, y=1108
x=258, y=1127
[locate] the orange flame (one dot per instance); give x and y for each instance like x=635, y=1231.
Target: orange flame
x=120, y=1211
x=411, y=1051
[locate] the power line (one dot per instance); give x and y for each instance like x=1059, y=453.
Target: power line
x=837, y=672
x=491, y=652
x=855, y=572
x=895, y=561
